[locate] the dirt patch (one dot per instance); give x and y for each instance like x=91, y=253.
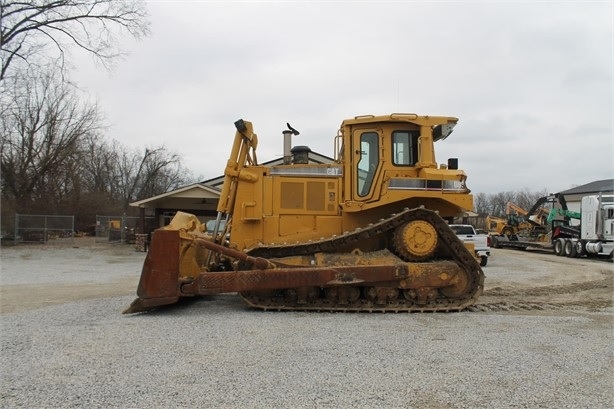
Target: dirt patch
x=537, y=280
x=36, y=276
x=15, y=298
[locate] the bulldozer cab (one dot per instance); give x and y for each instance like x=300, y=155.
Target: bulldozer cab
x=389, y=159
x=371, y=146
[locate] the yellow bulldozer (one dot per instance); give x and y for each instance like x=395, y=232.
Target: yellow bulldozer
x=367, y=232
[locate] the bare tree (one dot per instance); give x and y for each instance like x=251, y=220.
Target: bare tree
x=100, y=162
x=140, y=176
x=29, y=30
x=41, y=129
x=526, y=198
x=480, y=204
x=499, y=201
x=54, y=158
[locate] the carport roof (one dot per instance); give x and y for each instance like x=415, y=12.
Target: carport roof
x=194, y=191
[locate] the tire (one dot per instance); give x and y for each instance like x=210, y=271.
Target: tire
x=570, y=249
x=507, y=232
x=559, y=245
x=483, y=261
x=580, y=248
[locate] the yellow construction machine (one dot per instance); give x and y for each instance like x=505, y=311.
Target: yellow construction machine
x=367, y=232
x=496, y=225
x=518, y=221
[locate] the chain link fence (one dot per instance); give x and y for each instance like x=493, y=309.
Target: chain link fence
x=41, y=228
x=119, y=229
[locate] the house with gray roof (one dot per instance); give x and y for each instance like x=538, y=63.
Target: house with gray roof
x=574, y=196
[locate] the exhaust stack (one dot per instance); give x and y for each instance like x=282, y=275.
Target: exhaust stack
x=288, y=143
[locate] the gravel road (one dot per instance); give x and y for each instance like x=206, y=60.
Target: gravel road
x=541, y=336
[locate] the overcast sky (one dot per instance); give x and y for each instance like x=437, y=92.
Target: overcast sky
x=530, y=82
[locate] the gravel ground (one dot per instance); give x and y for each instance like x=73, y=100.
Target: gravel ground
x=65, y=343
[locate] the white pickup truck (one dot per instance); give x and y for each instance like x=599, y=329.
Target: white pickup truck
x=481, y=242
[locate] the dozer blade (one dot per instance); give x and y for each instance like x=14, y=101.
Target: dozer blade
x=159, y=278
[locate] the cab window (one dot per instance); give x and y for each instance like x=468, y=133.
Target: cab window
x=405, y=148
x=367, y=164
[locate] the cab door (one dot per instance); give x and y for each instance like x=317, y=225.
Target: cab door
x=366, y=163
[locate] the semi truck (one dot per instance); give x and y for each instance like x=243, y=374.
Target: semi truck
x=596, y=229
x=593, y=237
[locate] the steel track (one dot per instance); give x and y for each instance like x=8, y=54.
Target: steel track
x=451, y=245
